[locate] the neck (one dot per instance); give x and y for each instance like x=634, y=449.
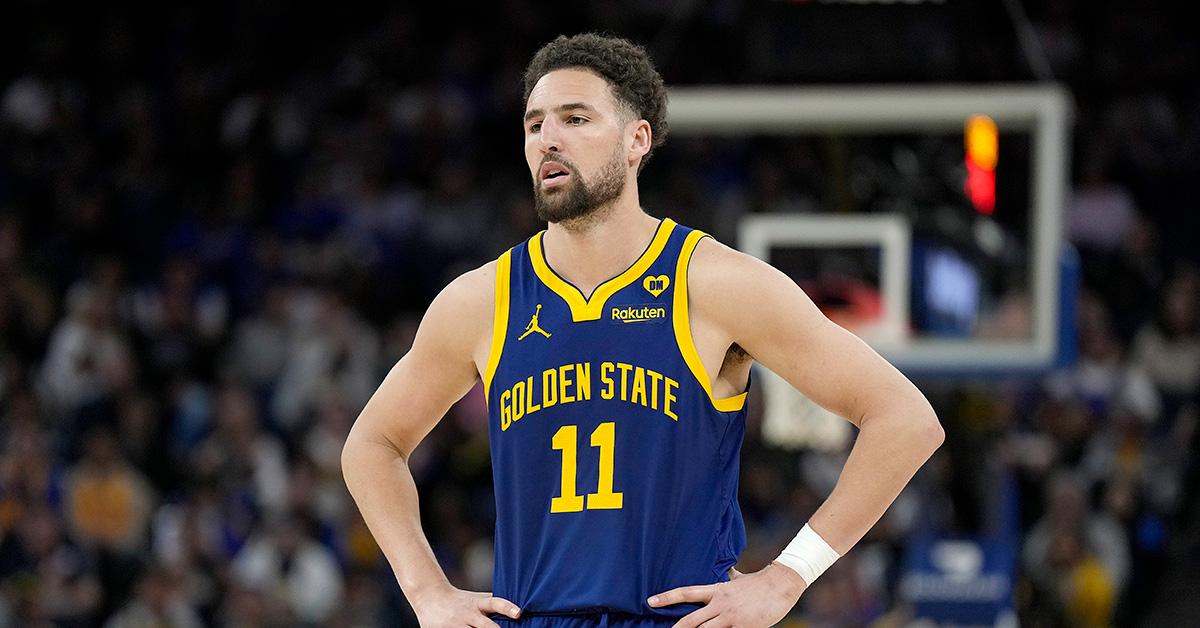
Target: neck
x=593, y=249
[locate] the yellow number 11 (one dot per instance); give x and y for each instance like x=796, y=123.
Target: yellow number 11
x=604, y=498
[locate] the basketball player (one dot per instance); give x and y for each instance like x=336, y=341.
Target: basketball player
x=615, y=351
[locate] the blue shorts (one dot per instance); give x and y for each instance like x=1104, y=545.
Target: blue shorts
x=590, y=620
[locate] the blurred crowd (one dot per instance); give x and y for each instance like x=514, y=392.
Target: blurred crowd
x=219, y=228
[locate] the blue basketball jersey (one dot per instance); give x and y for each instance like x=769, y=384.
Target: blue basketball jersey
x=616, y=470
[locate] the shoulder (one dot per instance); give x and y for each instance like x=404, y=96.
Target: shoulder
x=744, y=295
x=473, y=289
x=718, y=269
x=461, y=314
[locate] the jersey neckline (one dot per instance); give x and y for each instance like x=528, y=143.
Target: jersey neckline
x=590, y=308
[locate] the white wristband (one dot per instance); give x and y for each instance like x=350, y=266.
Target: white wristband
x=808, y=555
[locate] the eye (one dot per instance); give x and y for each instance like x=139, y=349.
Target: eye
x=535, y=127
x=576, y=120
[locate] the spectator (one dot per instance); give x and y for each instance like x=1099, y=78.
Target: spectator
x=108, y=502
x=156, y=602
x=259, y=348
x=1101, y=212
x=242, y=456
x=1077, y=559
x=297, y=574
x=337, y=352
x=1103, y=377
x=1168, y=348
x=50, y=578
x=180, y=321
x=88, y=358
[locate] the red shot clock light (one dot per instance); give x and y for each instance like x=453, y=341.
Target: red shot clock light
x=982, y=144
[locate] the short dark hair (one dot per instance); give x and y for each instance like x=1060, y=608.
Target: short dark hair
x=626, y=66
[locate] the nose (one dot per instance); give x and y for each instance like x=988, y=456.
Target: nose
x=550, y=139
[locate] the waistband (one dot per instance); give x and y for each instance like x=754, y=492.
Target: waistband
x=586, y=620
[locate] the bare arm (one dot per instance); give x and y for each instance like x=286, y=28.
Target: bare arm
x=440, y=368
x=765, y=312
x=735, y=298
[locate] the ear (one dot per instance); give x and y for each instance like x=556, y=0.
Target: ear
x=639, y=139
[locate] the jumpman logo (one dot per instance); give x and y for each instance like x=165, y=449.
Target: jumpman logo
x=533, y=325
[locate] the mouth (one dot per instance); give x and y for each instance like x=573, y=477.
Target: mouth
x=553, y=174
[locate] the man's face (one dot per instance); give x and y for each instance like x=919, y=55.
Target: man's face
x=575, y=145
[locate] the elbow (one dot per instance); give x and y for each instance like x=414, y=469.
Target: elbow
x=349, y=454
x=913, y=425
x=361, y=444
x=929, y=431
x=935, y=433
x=917, y=428
x=353, y=451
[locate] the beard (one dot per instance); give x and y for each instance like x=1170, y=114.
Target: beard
x=579, y=198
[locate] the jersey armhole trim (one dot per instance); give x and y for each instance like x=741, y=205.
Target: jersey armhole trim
x=499, y=319
x=683, y=328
